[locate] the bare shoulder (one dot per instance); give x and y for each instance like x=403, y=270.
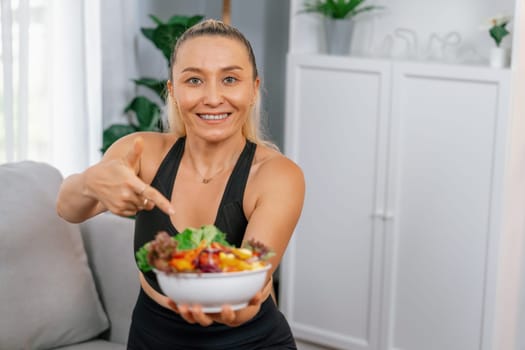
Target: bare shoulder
x=273, y=169
x=154, y=142
x=155, y=147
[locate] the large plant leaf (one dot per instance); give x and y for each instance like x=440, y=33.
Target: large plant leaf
x=155, y=19
x=147, y=113
x=185, y=20
x=115, y=132
x=148, y=33
x=158, y=86
x=194, y=20
x=165, y=36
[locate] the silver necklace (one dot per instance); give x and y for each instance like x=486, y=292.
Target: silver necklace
x=207, y=180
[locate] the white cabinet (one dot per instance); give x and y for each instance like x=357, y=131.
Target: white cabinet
x=338, y=129
x=446, y=155
x=412, y=235
x=397, y=245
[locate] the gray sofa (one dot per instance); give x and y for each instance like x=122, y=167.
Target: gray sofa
x=62, y=285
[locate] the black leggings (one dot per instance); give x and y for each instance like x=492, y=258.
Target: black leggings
x=154, y=327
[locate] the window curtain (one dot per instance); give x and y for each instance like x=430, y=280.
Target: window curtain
x=120, y=25
x=50, y=90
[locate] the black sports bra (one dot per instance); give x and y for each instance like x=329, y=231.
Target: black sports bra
x=230, y=215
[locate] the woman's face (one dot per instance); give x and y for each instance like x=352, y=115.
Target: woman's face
x=213, y=85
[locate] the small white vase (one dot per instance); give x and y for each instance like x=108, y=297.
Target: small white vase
x=338, y=35
x=499, y=57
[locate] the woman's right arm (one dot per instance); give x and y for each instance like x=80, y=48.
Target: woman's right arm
x=73, y=202
x=112, y=184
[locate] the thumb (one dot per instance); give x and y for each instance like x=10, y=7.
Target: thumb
x=135, y=152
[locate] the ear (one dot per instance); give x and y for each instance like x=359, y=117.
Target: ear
x=256, y=86
x=257, y=83
x=169, y=85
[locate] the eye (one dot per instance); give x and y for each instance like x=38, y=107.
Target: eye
x=230, y=80
x=194, y=81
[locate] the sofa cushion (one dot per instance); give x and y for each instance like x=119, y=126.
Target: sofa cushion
x=94, y=345
x=108, y=240
x=47, y=294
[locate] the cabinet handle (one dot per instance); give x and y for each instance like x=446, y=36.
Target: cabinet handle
x=388, y=217
x=377, y=215
x=382, y=216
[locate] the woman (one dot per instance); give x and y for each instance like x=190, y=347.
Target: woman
x=212, y=167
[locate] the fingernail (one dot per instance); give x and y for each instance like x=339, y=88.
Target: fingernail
x=171, y=211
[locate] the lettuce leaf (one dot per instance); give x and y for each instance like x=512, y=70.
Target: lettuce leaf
x=186, y=239
x=142, y=258
x=190, y=238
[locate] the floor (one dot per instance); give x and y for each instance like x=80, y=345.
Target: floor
x=308, y=346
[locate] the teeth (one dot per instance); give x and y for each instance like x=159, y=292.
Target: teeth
x=213, y=116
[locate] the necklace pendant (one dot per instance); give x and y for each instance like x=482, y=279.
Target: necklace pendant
x=205, y=181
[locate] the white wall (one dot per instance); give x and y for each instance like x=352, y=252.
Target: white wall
x=510, y=311
x=376, y=31
x=426, y=17
x=275, y=49
x=119, y=66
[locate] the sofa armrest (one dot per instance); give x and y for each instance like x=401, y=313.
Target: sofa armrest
x=108, y=240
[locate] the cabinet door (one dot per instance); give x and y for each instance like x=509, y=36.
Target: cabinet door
x=335, y=121
x=446, y=156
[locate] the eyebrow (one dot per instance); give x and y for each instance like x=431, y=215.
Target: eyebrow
x=225, y=69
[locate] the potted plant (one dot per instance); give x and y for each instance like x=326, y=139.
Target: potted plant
x=338, y=20
x=497, y=27
x=142, y=113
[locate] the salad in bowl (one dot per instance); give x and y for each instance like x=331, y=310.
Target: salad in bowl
x=199, y=266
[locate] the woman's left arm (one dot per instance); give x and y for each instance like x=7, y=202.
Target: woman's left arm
x=279, y=186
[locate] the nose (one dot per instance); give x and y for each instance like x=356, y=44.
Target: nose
x=213, y=94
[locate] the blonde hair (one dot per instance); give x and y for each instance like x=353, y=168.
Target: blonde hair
x=252, y=128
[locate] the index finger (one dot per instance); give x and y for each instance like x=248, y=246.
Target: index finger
x=158, y=199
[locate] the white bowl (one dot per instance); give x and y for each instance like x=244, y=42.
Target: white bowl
x=214, y=289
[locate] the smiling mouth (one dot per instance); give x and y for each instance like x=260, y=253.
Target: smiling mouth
x=214, y=116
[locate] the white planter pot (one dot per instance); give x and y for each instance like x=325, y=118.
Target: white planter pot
x=500, y=57
x=338, y=35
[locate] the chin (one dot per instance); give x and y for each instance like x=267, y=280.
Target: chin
x=215, y=136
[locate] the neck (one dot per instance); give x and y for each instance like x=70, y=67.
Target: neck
x=211, y=159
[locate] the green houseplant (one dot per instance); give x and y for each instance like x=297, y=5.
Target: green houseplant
x=338, y=9
x=497, y=29
x=142, y=113
x=338, y=21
